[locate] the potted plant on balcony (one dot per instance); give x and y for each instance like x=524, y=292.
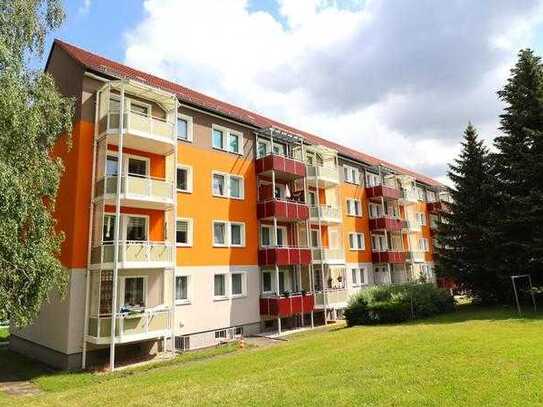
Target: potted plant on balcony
x=286, y=294
x=303, y=292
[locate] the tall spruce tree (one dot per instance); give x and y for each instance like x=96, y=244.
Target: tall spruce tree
x=519, y=169
x=33, y=115
x=465, y=235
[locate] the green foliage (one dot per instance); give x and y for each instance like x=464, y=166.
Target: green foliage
x=397, y=303
x=466, y=234
x=33, y=115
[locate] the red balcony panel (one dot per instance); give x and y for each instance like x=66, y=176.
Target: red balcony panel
x=284, y=210
x=287, y=306
x=436, y=207
x=390, y=224
x=388, y=257
x=281, y=164
x=383, y=191
x=284, y=256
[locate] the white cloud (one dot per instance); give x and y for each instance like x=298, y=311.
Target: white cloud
x=395, y=79
x=84, y=7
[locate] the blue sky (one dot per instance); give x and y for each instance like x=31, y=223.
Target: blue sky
x=392, y=78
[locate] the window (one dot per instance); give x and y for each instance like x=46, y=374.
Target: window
x=181, y=289
x=314, y=238
x=237, y=284
x=220, y=334
x=183, y=232
x=112, y=166
x=351, y=174
x=354, y=207
x=312, y=198
x=423, y=244
x=138, y=108
x=356, y=241
x=237, y=234
x=372, y=180
x=227, y=140
x=228, y=186
x=184, y=127
x=218, y=139
x=218, y=185
x=134, y=292
x=431, y=195
x=108, y=230
x=266, y=235
x=219, y=233
x=421, y=218
x=262, y=149
x=234, y=144
x=266, y=281
x=420, y=194
x=378, y=243
x=279, y=149
x=359, y=276
x=136, y=228
x=228, y=234
x=219, y=285
x=434, y=221
x=184, y=179
x=182, y=342
x=137, y=167
x=376, y=210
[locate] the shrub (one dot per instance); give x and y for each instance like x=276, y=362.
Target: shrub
x=397, y=303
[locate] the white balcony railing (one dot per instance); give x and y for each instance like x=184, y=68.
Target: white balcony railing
x=330, y=174
x=336, y=255
x=135, y=254
x=137, y=187
x=142, y=125
x=326, y=213
x=417, y=256
x=333, y=296
x=150, y=323
x=408, y=195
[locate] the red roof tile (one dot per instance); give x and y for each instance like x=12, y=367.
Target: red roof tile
x=112, y=68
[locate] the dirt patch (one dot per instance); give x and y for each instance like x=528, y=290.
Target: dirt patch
x=20, y=388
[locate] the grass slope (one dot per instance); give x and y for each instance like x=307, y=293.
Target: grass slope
x=474, y=357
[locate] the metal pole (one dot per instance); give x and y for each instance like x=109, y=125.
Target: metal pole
x=516, y=294
x=532, y=292
x=116, y=234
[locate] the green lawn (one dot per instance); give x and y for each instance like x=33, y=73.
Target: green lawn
x=474, y=357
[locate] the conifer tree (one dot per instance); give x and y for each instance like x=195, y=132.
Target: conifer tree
x=519, y=169
x=465, y=235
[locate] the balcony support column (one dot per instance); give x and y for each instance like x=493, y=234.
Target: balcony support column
x=116, y=234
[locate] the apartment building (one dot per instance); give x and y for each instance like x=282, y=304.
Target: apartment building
x=190, y=221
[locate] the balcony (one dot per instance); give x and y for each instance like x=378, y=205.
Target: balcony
x=336, y=298
x=388, y=256
x=284, y=256
x=328, y=256
x=327, y=214
x=137, y=192
x=412, y=226
x=322, y=177
x=149, y=324
x=382, y=191
x=416, y=256
x=437, y=207
x=386, y=223
x=285, y=168
x=283, y=210
x=283, y=307
x=408, y=196
x=134, y=254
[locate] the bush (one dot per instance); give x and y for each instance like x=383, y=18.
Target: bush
x=397, y=303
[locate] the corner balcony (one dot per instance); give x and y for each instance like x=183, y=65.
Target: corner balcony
x=388, y=256
x=416, y=256
x=283, y=210
x=408, y=196
x=322, y=177
x=334, y=298
x=387, y=223
x=137, y=192
x=285, y=168
x=328, y=256
x=328, y=214
x=134, y=255
x=382, y=191
x=150, y=323
x=282, y=307
x=412, y=227
x=284, y=256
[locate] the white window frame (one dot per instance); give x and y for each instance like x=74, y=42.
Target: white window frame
x=423, y=244
x=226, y=139
x=356, y=241
x=220, y=297
x=420, y=194
x=272, y=283
x=375, y=207
x=188, y=169
x=372, y=180
x=421, y=218
x=361, y=275
x=382, y=247
x=126, y=158
x=141, y=103
x=352, y=204
x=124, y=224
x=228, y=233
x=353, y=174
x=283, y=229
x=188, y=300
x=190, y=127
x=190, y=232
x=123, y=290
x=227, y=191
x=243, y=284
